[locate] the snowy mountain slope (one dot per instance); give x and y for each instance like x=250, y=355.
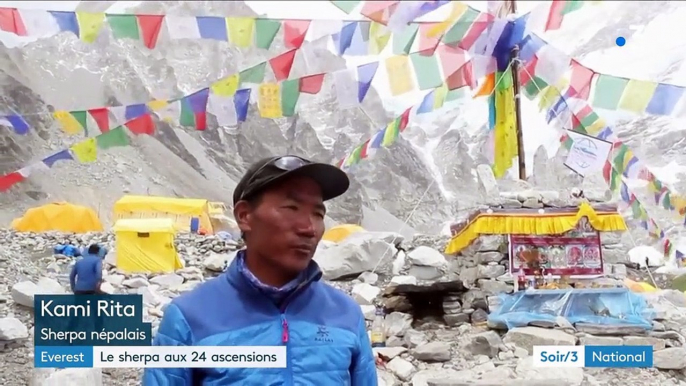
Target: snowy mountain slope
x=429, y=172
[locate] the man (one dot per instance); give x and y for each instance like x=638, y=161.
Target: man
x=86, y=274
x=271, y=294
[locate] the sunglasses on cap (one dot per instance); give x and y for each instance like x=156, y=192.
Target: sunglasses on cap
x=285, y=163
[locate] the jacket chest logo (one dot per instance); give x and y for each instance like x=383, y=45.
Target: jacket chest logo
x=322, y=335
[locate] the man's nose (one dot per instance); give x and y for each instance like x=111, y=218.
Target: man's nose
x=305, y=225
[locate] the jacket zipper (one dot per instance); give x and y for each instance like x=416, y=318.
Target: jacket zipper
x=284, y=329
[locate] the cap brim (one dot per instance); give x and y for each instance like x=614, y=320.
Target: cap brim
x=332, y=180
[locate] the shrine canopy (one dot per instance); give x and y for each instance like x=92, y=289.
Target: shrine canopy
x=548, y=221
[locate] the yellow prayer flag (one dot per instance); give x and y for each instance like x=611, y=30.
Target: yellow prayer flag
x=157, y=104
x=456, y=12
x=89, y=25
x=269, y=101
x=240, y=30
x=400, y=76
x=504, y=131
x=440, y=95
x=69, y=124
x=170, y=113
x=595, y=127
x=226, y=87
x=86, y=151
x=379, y=35
x=637, y=95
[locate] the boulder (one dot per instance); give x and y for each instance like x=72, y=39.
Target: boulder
x=528, y=337
x=352, y=256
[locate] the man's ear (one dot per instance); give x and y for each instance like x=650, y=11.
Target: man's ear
x=242, y=212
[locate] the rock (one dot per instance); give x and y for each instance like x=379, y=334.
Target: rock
x=50, y=286
x=369, y=311
x=487, y=181
x=115, y=280
x=478, y=316
x=490, y=271
x=385, y=378
x=422, y=272
x=368, y=277
x=673, y=358
x=389, y=353
x=217, y=262
x=485, y=343
x=404, y=280
x=658, y=344
x=90, y=377
x=433, y=352
x=592, y=340
x=167, y=281
x=571, y=376
x=489, y=257
x=456, y=319
x=12, y=329
x=397, y=323
x=401, y=368
x=24, y=292
x=414, y=338
x=136, y=282
x=427, y=257
x=603, y=329
x=528, y=337
x=107, y=288
x=352, y=256
x=364, y=294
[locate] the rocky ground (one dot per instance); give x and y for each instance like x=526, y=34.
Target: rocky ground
x=437, y=335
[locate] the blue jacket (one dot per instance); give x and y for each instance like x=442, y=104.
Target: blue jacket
x=86, y=273
x=322, y=328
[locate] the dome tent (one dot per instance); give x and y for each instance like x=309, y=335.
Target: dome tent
x=59, y=216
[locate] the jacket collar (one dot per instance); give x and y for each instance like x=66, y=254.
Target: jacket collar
x=239, y=280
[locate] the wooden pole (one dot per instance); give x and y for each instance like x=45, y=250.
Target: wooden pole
x=514, y=63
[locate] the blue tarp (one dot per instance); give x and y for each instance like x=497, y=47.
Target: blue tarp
x=606, y=306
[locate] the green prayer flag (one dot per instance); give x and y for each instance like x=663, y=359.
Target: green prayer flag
x=590, y=119
x=114, y=138
x=345, y=6
x=82, y=118
x=427, y=71
x=402, y=41
x=123, y=26
x=457, y=32
x=265, y=31
x=503, y=80
x=254, y=74
x=608, y=91
x=618, y=160
x=571, y=6
x=187, y=117
x=568, y=143
x=636, y=209
x=290, y=92
x=534, y=87
x=455, y=94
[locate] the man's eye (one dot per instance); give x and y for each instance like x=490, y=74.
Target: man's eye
x=291, y=207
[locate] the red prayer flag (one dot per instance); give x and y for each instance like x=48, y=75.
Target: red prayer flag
x=141, y=125
x=452, y=58
x=478, y=27
x=9, y=180
x=555, y=15
x=201, y=120
x=101, y=116
x=580, y=80
x=462, y=77
x=404, y=119
x=312, y=84
x=282, y=64
x=11, y=21
x=427, y=45
x=294, y=32
x=363, y=152
x=150, y=26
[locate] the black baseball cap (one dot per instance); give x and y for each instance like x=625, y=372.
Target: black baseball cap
x=268, y=171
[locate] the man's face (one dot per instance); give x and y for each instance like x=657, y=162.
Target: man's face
x=286, y=224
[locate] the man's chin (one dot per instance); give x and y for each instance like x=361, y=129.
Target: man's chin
x=296, y=264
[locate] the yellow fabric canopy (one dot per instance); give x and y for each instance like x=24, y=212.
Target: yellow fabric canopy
x=59, y=216
x=640, y=287
x=532, y=224
x=181, y=210
x=340, y=232
x=146, y=246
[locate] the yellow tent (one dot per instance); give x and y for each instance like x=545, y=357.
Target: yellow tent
x=59, y=216
x=180, y=210
x=146, y=245
x=640, y=287
x=341, y=232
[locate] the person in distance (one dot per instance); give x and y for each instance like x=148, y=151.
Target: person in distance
x=86, y=274
x=271, y=293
